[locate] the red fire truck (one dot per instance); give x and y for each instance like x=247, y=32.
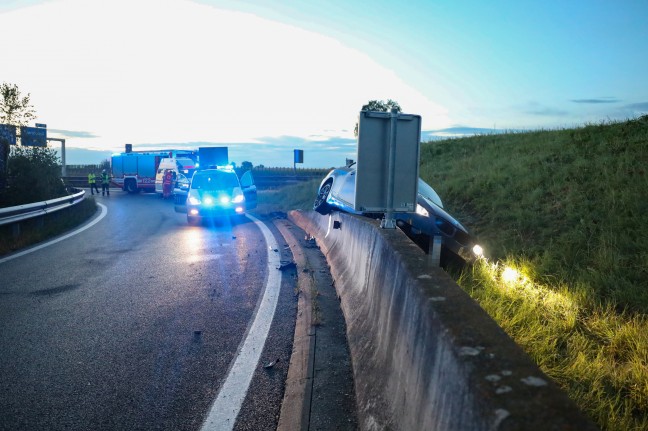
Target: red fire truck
x=134, y=171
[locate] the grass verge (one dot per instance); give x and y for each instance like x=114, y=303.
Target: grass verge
x=561, y=216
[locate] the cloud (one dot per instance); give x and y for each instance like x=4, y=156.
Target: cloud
x=597, y=101
x=546, y=111
x=273, y=150
x=638, y=107
x=156, y=71
x=72, y=133
x=83, y=156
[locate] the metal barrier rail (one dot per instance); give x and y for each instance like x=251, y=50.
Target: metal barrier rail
x=23, y=212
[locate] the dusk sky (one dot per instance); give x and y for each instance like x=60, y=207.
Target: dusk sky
x=267, y=77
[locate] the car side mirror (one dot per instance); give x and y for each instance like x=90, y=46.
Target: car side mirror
x=247, y=180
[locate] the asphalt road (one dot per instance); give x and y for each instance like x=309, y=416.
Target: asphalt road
x=135, y=322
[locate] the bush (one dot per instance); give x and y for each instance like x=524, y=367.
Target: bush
x=33, y=175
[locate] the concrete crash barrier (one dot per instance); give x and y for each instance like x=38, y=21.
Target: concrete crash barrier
x=425, y=355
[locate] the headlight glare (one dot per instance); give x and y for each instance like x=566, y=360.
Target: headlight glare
x=422, y=211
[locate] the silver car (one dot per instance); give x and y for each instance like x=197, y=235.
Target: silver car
x=337, y=192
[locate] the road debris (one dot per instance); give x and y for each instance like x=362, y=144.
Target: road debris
x=271, y=364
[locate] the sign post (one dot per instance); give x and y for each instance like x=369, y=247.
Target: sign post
x=7, y=139
x=387, y=163
x=298, y=158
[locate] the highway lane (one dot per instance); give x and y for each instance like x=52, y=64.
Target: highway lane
x=134, y=323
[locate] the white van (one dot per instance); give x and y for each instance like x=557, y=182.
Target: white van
x=181, y=166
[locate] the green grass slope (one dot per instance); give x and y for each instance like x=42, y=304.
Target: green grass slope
x=573, y=202
x=562, y=217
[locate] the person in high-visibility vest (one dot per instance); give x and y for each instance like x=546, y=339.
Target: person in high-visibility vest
x=105, y=182
x=92, y=182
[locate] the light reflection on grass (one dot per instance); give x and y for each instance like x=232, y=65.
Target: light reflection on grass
x=597, y=354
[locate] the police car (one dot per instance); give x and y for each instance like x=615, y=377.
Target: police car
x=216, y=193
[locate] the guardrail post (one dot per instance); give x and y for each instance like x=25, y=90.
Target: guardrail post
x=15, y=230
x=434, y=250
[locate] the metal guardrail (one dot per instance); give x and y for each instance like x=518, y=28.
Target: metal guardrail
x=23, y=212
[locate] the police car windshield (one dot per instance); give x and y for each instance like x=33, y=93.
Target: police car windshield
x=214, y=180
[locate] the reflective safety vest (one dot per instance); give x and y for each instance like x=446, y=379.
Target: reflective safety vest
x=91, y=178
x=104, y=178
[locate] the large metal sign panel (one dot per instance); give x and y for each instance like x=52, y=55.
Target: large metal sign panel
x=387, y=162
x=8, y=134
x=33, y=137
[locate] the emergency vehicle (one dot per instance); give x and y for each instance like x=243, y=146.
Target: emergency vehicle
x=134, y=171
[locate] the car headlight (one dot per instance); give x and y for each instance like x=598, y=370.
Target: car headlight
x=238, y=199
x=478, y=250
x=422, y=211
x=194, y=200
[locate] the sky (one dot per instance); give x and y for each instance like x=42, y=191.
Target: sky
x=267, y=77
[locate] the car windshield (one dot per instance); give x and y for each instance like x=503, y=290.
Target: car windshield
x=428, y=193
x=215, y=180
x=185, y=163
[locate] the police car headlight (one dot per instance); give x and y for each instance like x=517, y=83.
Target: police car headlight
x=238, y=199
x=194, y=200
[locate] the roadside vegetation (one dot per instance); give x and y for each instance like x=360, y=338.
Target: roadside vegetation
x=561, y=215
x=294, y=197
x=34, y=175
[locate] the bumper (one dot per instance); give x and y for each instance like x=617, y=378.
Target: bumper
x=215, y=211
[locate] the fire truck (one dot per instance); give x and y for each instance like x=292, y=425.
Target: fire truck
x=134, y=171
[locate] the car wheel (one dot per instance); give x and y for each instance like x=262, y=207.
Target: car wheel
x=320, y=205
x=131, y=186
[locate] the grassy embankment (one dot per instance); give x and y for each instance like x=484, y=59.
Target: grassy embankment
x=562, y=217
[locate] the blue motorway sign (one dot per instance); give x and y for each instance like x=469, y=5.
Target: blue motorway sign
x=33, y=137
x=8, y=134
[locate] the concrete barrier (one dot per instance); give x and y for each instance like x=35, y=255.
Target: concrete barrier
x=425, y=355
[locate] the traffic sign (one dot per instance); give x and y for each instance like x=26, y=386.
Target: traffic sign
x=8, y=133
x=33, y=137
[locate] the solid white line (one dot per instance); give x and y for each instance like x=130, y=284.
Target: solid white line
x=223, y=412
x=104, y=211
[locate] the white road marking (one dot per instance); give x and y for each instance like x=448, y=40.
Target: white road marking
x=223, y=412
x=104, y=211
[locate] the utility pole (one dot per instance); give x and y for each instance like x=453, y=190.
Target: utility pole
x=62, y=141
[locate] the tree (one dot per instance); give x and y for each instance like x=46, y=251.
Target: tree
x=34, y=175
x=15, y=109
x=380, y=106
x=246, y=166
